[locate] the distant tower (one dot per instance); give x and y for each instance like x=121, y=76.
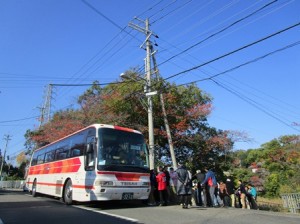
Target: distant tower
x=46, y=108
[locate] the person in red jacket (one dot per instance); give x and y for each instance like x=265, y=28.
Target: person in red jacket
x=161, y=180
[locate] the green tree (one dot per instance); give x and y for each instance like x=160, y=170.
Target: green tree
x=253, y=157
x=124, y=104
x=272, y=185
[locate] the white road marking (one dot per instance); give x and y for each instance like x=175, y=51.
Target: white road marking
x=105, y=213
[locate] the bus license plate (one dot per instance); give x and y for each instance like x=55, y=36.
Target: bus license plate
x=127, y=196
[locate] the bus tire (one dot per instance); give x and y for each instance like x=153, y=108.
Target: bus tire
x=33, y=190
x=68, y=192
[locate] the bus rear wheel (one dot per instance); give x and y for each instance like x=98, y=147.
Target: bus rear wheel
x=68, y=192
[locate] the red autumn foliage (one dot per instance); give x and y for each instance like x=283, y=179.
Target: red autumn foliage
x=199, y=110
x=256, y=181
x=221, y=141
x=59, y=127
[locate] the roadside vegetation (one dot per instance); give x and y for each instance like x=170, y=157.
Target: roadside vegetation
x=273, y=169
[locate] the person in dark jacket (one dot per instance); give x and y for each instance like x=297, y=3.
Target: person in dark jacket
x=231, y=190
x=201, y=194
x=242, y=192
x=153, y=191
x=223, y=194
x=184, y=190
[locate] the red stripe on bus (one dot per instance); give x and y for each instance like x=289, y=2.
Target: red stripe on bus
x=83, y=186
x=50, y=184
x=61, y=185
x=125, y=176
x=64, y=166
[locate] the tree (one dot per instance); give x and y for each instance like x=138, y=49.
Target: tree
x=21, y=158
x=62, y=124
x=278, y=163
x=195, y=142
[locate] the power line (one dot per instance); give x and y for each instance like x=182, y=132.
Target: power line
x=282, y=111
x=254, y=104
x=162, y=9
x=101, y=14
x=220, y=31
x=94, y=57
x=90, y=84
x=179, y=7
x=234, y=51
x=150, y=8
x=227, y=19
x=244, y=64
x=22, y=119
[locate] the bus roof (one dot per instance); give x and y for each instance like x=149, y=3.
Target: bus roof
x=95, y=126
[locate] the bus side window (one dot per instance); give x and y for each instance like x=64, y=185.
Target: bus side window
x=34, y=159
x=49, y=156
x=40, y=159
x=75, y=152
x=57, y=154
x=62, y=155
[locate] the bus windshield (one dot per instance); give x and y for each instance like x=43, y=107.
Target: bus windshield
x=121, y=149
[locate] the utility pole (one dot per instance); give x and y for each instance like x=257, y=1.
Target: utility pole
x=47, y=104
x=3, y=158
x=46, y=108
x=42, y=109
x=162, y=102
x=148, y=34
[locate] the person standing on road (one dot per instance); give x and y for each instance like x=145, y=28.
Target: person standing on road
x=211, y=181
x=162, y=186
x=167, y=173
x=184, y=190
x=252, y=195
x=231, y=190
x=201, y=190
x=224, y=195
x=153, y=183
x=242, y=192
x=173, y=186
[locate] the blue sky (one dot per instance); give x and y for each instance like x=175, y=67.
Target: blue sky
x=75, y=42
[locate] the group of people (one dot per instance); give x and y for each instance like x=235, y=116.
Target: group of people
x=201, y=189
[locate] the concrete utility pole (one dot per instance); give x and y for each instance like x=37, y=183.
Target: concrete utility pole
x=148, y=34
x=162, y=102
x=3, y=158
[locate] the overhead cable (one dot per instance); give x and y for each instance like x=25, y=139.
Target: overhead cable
x=254, y=104
x=22, y=119
x=220, y=31
x=244, y=64
x=234, y=51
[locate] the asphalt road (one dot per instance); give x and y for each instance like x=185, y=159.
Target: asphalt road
x=20, y=207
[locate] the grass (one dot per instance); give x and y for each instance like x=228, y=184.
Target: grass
x=270, y=204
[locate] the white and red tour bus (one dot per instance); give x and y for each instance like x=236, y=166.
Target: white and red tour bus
x=98, y=163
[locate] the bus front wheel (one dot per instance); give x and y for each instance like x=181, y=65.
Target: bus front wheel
x=68, y=191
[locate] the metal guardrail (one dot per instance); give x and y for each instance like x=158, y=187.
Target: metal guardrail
x=291, y=202
x=17, y=184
